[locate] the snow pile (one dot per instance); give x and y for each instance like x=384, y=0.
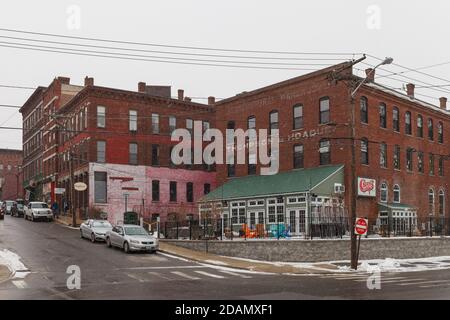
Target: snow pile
x=12, y=261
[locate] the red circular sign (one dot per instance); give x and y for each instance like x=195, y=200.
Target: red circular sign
x=361, y=226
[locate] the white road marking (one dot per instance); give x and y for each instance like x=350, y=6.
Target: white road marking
x=20, y=284
x=210, y=275
x=236, y=274
x=184, y=275
x=159, y=275
x=424, y=282
x=436, y=285
x=136, y=277
x=403, y=280
x=166, y=267
x=382, y=279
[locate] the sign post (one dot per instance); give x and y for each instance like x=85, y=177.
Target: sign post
x=361, y=227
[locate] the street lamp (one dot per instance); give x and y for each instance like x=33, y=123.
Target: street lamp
x=382, y=63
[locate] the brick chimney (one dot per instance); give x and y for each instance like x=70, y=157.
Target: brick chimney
x=410, y=90
x=88, y=81
x=180, y=94
x=187, y=99
x=141, y=87
x=370, y=74
x=64, y=80
x=443, y=101
x=211, y=100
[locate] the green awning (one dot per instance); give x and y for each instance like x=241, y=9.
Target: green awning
x=294, y=181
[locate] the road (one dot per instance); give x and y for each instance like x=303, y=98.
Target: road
x=47, y=249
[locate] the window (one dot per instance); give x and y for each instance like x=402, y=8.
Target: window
x=383, y=155
x=251, y=122
x=133, y=120
x=431, y=202
x=101, y=151
x=382, y=110
x=155, y=190
x=396, y=194
x=251, y=167
x=101, y=117
x=133, y=149
x=431, y=164
x=408, y=123
x=273, y=119
x=419, y=126
x=324, y=150
x=430, y=129
x=206, y=188
x=189, y=192
x=298, y=117
x=171, y=164
x=172, y=124
x=409, y=159
x=364, y=151
x=173, y=191
x=298, y=156
x=363, y=110
x=441, y=166
x=100, y=186
x=276, y=210
x=155, y=123
x=231, y=170
x=324, y=116
x=155, y=155
x=189, y=125
x=420, y=162
x=396, y=119
x=441, y=203
x=397, y=157
x=440, y=132
x=383, y=192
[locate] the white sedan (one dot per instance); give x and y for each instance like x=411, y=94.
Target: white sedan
x=37, y=211
x=95, y=229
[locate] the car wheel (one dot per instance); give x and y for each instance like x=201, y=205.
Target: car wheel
x=92, y=237
x=108, y=242
x=32, y=217
x=126, y=247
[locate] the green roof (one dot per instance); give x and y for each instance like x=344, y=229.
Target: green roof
x=301, y=180
x=396, y=206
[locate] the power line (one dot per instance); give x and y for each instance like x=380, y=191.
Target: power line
x=15, y=87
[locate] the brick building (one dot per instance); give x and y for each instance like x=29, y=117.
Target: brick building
x=11, y=174
x=400, y=143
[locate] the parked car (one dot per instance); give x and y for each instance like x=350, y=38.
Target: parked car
x=95, y=229
x=8, y=206
x=131, y=238
x=2, y=211
x=18, y=209
x=38, y=211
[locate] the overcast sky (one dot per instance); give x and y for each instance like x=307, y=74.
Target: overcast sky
x=414, y=33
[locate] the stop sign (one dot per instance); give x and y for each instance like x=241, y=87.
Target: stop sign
x=361, y=226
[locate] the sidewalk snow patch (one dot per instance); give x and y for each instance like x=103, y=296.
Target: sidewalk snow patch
x=12, y=261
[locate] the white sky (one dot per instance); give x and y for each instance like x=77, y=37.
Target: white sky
x=414, y=33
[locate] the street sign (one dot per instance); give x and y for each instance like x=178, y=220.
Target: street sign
x=80, y=186
x=361, y=226
x=60, y=190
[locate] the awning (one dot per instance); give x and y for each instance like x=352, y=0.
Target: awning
x=396, y=206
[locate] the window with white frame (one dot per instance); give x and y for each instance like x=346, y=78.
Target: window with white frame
x=133, y=120
x=431, y=202
x=397, y=193
x=384, y=192
x=441, y=203
x=101, y=117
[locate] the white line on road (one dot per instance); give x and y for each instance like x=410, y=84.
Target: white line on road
x=403, y=280
x=166, y=267
x=20, y=284
x=382, y=279
x=424, y=282
x=184, y=275
x=236, y=274
x=136, y=277
x=210, y=275
x=159, y=275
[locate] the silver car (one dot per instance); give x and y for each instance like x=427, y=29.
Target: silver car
x=131, y=238
x=95, y=229
x=37, y=211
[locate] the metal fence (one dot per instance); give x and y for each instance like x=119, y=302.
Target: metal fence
x=414, y=227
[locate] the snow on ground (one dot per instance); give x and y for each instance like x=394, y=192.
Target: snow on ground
x=12, y=261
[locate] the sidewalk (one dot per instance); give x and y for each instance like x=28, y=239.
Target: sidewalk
x=67, y=221
x=250, y=265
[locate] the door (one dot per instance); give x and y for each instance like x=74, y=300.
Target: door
x=296, y=221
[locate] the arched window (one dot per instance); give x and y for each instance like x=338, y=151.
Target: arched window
x=324, y=151
x=441, y=203
x=431, y=202
x=419, y=126
x=408, y=129
x=324, y=111
x=430, y=129
x=397, y=193
x=440, y=132
x=363, y=110
x=396, y=119
x=364, y=151
x=382, y=111
x=384, y=192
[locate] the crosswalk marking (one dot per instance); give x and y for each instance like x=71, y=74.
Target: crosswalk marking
x=210, y=274
x=20, y=284
x=184, y=275
x=236, y=274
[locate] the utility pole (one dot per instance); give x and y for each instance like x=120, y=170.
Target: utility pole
x=72, y=190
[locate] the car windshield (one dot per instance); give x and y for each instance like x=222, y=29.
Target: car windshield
x=102, y=224
x=9, y=203
x=135, y=231
x=19, y=205
x=39, y=206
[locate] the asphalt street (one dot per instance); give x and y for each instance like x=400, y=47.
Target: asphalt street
x=48, y=249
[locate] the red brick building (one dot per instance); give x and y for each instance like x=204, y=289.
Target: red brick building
x=400, y=141
x=11, y=174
